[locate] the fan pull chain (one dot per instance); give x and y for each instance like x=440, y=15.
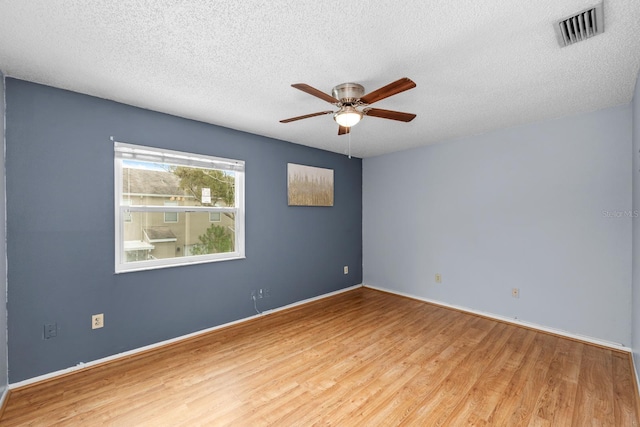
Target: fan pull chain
x=349, y=143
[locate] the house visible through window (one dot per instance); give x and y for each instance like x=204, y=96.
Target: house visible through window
x=175, y=208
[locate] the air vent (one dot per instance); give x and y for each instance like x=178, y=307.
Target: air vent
x=580, y=26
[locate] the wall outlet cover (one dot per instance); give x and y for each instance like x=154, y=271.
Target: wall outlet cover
x=97, y=321
x=50, y=330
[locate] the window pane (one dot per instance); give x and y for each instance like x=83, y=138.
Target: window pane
x=149, y=183
x=214, y=216
x=148, y=237
x=207, y=187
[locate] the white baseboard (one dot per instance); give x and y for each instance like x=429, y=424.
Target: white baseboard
x=518, y=322
x=86, y=365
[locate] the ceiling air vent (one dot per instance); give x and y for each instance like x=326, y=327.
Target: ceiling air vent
x=580, y=26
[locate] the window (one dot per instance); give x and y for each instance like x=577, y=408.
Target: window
x=175, y=208
x=171, y=216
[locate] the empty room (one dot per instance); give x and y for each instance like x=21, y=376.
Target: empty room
x=320, y=213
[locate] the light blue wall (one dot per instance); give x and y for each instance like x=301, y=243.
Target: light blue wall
x=520, y=207
x=636, y=227
x=60, y=228
x=3, y=257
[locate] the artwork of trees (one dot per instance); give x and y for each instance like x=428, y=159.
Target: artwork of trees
x=310, y=186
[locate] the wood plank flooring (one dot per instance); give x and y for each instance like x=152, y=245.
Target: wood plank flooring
x=362, y=358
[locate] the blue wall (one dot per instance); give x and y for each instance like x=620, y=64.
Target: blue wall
x=3, y=265
x=636, y=227
x=60, y=227
x=520, y=207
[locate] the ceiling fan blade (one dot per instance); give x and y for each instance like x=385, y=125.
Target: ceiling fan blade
x=389, y=114
x=388, y=90
x=343, y=130
x=306, y=116
x=315, y=92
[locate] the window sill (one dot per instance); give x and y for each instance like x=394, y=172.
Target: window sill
x=155, y=266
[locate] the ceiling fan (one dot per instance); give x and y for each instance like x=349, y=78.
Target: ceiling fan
x=349, y=96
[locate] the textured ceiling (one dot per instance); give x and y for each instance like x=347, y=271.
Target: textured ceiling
x=478, y=65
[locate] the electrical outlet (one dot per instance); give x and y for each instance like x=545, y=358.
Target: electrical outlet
x=346, y=269
x=515, y=292
x=50, y=330
x=97, y=321
x=260, y=293
x=438, y=278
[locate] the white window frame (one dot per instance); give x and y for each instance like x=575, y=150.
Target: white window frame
x=125, y=151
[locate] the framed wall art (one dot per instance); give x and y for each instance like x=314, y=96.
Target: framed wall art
x=309, y=186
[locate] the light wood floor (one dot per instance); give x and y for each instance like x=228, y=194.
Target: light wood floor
x=362, y=358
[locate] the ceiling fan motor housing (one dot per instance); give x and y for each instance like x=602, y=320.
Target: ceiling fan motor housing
x=348, y=92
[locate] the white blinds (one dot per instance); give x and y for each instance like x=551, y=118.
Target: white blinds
x=160, y=155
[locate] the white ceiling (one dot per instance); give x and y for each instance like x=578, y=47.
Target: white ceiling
x=478, y=65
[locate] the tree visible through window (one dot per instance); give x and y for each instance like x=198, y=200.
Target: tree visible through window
x=214, y=240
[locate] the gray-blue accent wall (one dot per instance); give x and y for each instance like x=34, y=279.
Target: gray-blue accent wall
x=60, y=230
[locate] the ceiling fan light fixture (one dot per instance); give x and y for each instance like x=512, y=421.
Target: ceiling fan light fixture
x=347, y=116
